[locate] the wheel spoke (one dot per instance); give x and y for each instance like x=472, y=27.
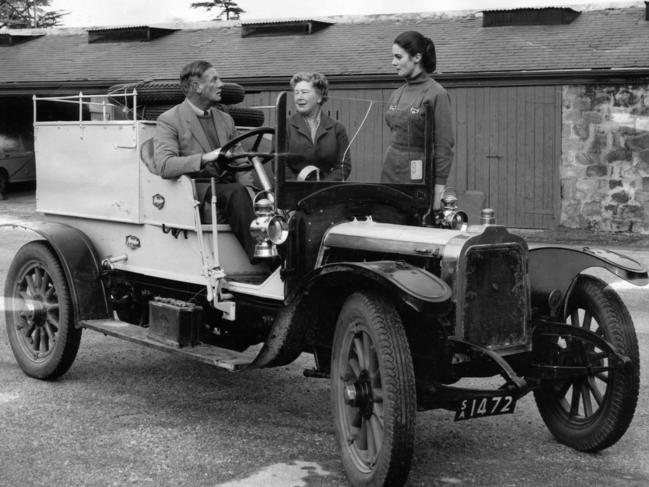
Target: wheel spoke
x=587, y=320
x=367, y=344
x=597, y=394
x=362, y=436
x=37, y=279
x=574, y=317
x=370, y=443
x=31, y=288
x=374, y=438
x=355, y=367
x=585, y=398
x=574, y=402
x=36, y=338
x=358, y=348
x=357, y=420
x=603, y=376
x=50, y=333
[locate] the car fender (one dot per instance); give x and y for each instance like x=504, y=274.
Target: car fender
x=554, y=269
x=315, y=303
x=80, y=263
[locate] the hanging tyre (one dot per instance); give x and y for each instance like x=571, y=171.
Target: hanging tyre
x=246, y=117
x=373, y=392
x=39, y=314
x=591, y=413
x=242, y=116
x=170, y=93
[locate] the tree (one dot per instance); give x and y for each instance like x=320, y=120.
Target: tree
x=229, y=8
x=25, y=14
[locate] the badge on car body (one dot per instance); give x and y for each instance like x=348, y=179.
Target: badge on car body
x=158, y=201
x=132, y=242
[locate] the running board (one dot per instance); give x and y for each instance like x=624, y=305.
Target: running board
x=209, y=354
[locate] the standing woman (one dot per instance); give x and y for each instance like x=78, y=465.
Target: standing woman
x=413, y=55
x=317, y=144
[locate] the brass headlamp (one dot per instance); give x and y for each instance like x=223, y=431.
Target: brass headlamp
x=268, y=228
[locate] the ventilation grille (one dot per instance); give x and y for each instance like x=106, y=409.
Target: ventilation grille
x=127, y=34
x=528, y=16
x=286, y=28
x=12, y=40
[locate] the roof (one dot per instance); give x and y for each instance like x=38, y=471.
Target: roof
x=609, y=39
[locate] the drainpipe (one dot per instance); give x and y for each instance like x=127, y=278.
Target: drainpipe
x=646, y=10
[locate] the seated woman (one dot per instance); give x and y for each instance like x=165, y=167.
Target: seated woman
x=317, y=144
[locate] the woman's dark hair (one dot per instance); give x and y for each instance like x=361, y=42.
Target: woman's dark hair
x=193, y=69
x=317, y=80
x=415, y=43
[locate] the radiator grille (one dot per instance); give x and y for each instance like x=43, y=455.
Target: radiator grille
x=495, y=298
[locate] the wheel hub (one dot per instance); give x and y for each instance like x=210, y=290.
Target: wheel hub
x=359, y=394
x=36, y=312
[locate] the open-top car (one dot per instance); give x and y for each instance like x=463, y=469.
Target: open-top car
x=396, y=302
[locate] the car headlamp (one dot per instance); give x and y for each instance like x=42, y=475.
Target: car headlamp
x=268, y=229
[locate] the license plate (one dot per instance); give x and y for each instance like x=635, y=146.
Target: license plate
x=481, y=406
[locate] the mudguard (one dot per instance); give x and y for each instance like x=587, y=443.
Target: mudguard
x=80, y=263
x=553, y=269
x=414, y=287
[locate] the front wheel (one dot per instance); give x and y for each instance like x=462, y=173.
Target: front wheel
x=591, y=413
x=373, y=392
x=39, y=314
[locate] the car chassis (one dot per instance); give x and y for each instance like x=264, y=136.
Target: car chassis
x=395, y=302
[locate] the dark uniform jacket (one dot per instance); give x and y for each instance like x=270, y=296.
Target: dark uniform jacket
x=326, y=153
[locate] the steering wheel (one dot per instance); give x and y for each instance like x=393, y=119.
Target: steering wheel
x=231, y=161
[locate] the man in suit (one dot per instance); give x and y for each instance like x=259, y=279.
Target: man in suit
x=188, y=138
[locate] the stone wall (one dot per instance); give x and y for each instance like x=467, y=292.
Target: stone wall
x=605, y=158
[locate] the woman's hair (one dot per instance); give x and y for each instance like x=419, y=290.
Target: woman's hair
x=415, y=43
x=195, y=68
x=318, y=80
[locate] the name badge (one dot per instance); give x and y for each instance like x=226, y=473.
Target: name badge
x=416, y=170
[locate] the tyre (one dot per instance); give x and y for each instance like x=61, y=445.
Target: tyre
x=246, y=117
x=593, y=412
x=373, y=392
x=170, y=93
x=39, y=314
x=243, y=117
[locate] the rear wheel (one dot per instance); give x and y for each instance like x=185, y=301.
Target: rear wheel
x=373, y=392
x=39, y=314
x=591, y=413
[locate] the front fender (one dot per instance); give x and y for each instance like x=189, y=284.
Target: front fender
x=554, y=268
x=80, y=263
x=414, y=286
x=314, y=305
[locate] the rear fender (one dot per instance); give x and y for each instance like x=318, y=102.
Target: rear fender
x=553, y=270
x=80, y=263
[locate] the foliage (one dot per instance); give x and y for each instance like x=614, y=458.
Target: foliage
x=229, y=8
x=25, y=14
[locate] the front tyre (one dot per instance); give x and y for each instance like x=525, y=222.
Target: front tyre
x=373, y=392
x=591, y=413
x=39, y=314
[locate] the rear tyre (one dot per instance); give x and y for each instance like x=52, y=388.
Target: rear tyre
x=593, y=412
x=39, y=314
x=373, y=392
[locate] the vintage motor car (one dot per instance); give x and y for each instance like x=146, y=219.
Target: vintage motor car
x=16, y=163
x=396, y=302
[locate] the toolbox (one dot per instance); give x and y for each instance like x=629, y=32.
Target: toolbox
x=175, y=322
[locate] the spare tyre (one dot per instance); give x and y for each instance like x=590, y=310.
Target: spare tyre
x=243, y=117
x=246, y=117
x=169, y=92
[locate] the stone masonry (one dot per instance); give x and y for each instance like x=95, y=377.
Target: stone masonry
x=605, y=158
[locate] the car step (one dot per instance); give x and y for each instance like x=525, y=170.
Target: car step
x=209, y=354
